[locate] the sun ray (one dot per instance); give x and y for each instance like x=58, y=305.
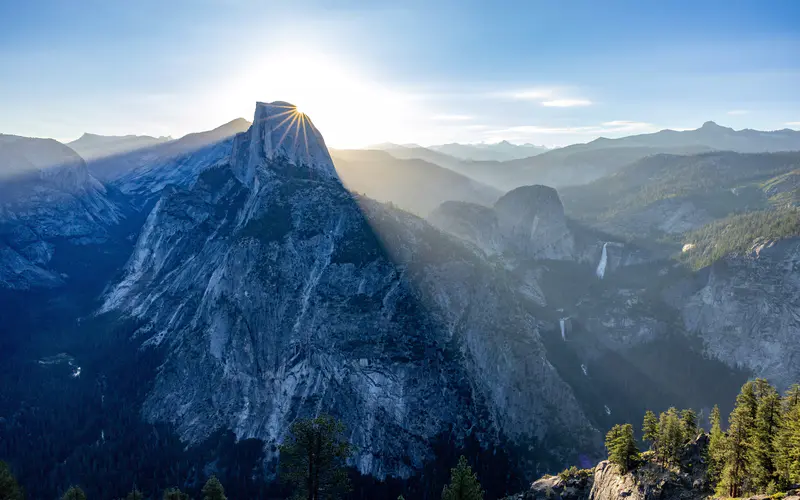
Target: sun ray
x=288, y=128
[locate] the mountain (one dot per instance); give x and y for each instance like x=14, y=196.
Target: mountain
x=582, y=163
x=527, y=222
x=275, y=293
x=50, y=205
x=729, y=216
x=92, y=146
x=416, y=152
x=669, y=194
x=414, y=185
x=501, y=151
x=149, y=169
x=258, y=289
x=713, y=136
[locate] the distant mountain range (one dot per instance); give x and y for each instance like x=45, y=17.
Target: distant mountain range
x=91, y=146
x=581, y=163
x=501, y=151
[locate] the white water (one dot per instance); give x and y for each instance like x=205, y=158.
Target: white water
x=608, y=410
x=601, y=266
x=561, y=322
x=585, y=370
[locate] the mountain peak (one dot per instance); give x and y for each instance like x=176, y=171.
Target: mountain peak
x=279, y=130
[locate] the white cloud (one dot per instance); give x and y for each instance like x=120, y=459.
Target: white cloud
x=528, y=95
x=793, y=124
x=738, y=112
x=452, y=118
x=566, y=103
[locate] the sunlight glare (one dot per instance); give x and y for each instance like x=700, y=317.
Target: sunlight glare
x=352, y=111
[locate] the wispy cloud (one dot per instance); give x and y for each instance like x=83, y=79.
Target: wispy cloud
x=527, y=95
x=566, y=103
x=793, y=124
x=452, y=118
x=738, y=112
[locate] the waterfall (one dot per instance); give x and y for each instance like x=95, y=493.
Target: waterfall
x=601, y=266
x=608, y=410
x=561, y=322
x=585, y=370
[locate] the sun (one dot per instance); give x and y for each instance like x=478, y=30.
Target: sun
x=349, y=108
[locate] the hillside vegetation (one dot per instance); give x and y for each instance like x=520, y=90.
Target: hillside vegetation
x=739, y=234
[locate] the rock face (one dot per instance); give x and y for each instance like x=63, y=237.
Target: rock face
x=747, y=310
x=47, y=198
x=527, y=222
x=277, y=294
x=575, y=487
x=651, y=481
x=531, y=221
x=648, y=481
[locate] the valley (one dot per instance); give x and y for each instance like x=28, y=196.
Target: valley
x=182, y=302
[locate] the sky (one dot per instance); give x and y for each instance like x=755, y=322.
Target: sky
x=428, y=72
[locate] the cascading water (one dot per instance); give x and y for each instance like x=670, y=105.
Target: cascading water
x=585, y=370
x=601, y=266
x=563, y=335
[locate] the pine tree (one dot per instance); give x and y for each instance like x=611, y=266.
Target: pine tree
x=786, y=443
x=9, y=488
x=761, y=451
x=689, y=422
x=740, y=425
x=213, y=490
x=313, y=458
x=175, y=494
x=74, y=493
x=716, y=446
x=670, y=437
x=464, y=483
x=135, y=494
x=621, y=446
x=650, y=429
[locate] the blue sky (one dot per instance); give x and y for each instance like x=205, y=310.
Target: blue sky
x=550, y=73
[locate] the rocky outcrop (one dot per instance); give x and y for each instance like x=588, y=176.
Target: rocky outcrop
x=276, y=294
x=47, y=198
x=526, y=223
x=532, y=223
x=574, y=486
x=647, y=481
x=651, y=481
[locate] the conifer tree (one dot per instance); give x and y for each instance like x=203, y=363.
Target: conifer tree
x=740, y=425
x=213, y=490
x=9, y=488
x=716, y=446
x=135, y=494
x=621, y=446
x=175, y=494
x=74, y=493
x=787, y=441
x=464, y=483
x=313, y=458
x=761, y=451
x=650, y=429
x=670, y=437
x=689, y=422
